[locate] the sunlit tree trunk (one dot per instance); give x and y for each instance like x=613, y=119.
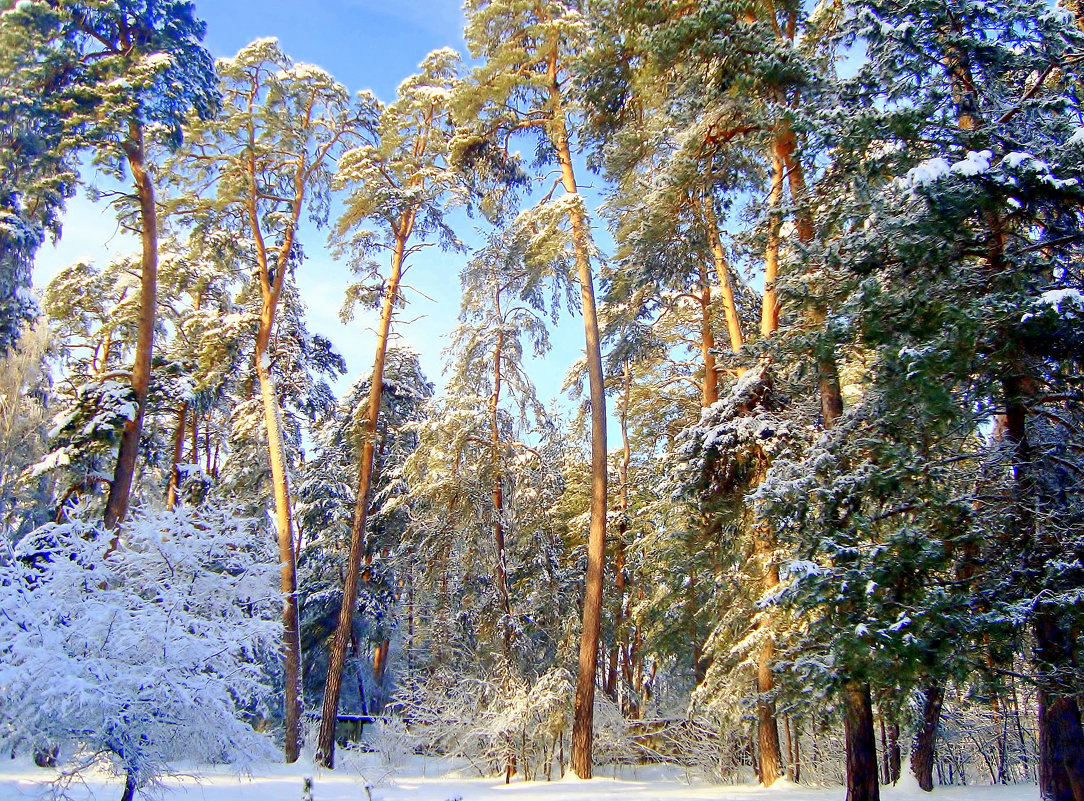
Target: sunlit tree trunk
x=178, y=450
x=706, y=207
x=116, y=505
x=709, y=390
x=325, y=753
x=583, y=712
x=276, y=452
x=621, y=639
x=271, y=277
x=769, y=306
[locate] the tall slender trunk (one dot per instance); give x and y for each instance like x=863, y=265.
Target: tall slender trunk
x=1061, y=756
x=922, y=750
x=709, y=388
x=620, y=643
x=498, y=491
x=764, y=540
x=788, y=743
x=861, y=742
x=767, y=725
x=325, y=753
x=178, y=450
x=769, y=305
x=280, y=487
x=894, y=754
x=276, y=451
x=584, y=708
x=1061, y=734
x=116, y=505
x=722, y=271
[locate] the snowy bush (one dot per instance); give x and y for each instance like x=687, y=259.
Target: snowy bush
x=138, y=646
x=492, y=723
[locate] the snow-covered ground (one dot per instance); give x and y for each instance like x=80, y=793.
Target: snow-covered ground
x=22, y=781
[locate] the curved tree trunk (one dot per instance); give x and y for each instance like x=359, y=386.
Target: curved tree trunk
x=116, y=505
x=325, y=751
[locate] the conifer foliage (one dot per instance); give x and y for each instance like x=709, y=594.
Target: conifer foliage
x=839, y=327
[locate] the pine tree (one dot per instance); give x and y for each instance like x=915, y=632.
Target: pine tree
x=129, y=74
x=259, y=166
x=523, y=85
x=399, y=183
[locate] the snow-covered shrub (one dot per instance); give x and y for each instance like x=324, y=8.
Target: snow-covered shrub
x=394, y=742
x=137, y=646
x=492, y=723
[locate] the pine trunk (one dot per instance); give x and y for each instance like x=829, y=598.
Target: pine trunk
x=178, y=450
x=291, y=628
x=1061, y=737
x=116, y=505
x=325, y=750
x=709, y=388
x=769, y=304
x=894, y=755
x=861, y=742
x=722, y=273
x=767, y=726
x=1061, y=754
x=922, y=750
x=584, y=709
x=621, y=639
x=498, y=494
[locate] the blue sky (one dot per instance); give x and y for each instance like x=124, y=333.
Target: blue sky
x=364, y=44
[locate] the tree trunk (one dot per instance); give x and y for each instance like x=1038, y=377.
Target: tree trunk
x=1061, y=754
x=894, y=755
x=861, y=742
x=885, y=767
x=129, y=788
x=767, y=726
x=769, y=304
x=178, y=450
x=621, y=640
x=709, y=388
x=722, y=272
x=498, y=492
x=291, y=628
x=1061, y=737
x=325, y=751
x=584, y=709
x=788, y=743
x=922, y=750
x=116, y=505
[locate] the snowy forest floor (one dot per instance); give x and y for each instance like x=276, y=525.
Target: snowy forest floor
x=20, y=780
